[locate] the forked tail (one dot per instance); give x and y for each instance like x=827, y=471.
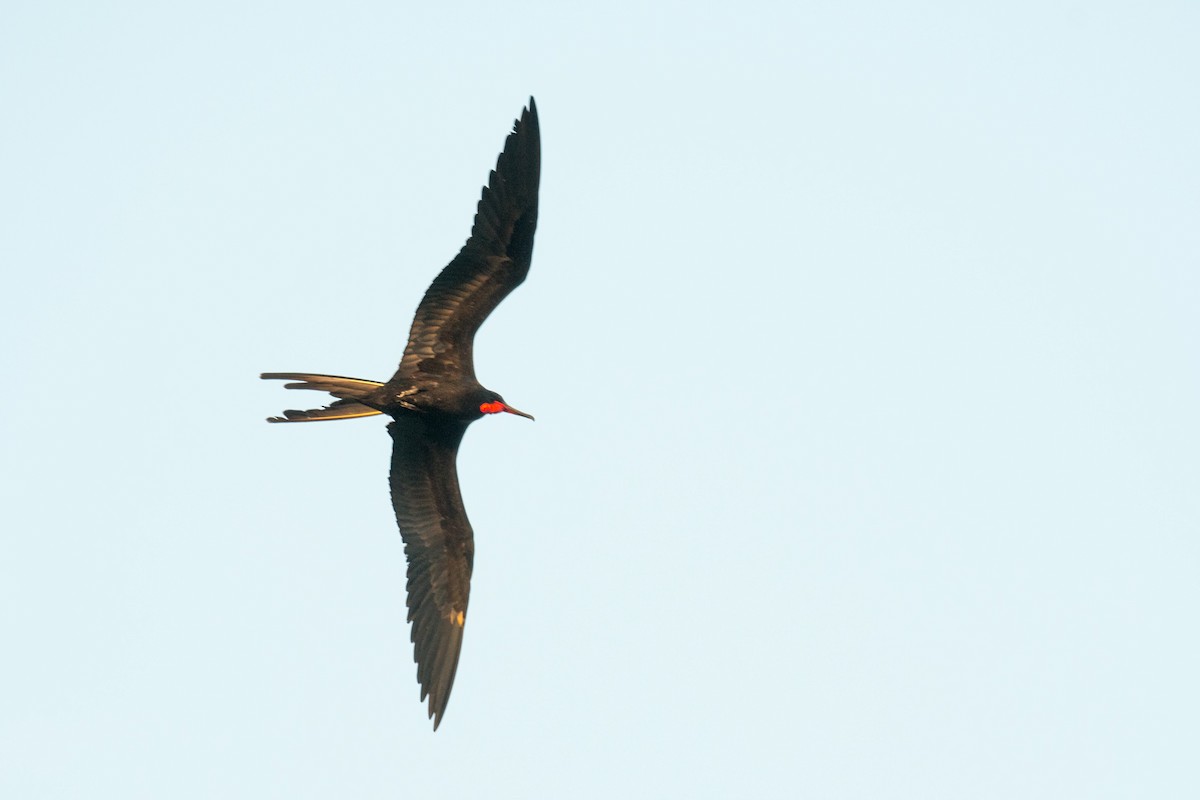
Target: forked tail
x=349, y=392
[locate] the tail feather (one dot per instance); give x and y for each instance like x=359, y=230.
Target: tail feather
x=348, y=391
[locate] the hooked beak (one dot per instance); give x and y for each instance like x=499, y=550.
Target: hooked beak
x=509, y=409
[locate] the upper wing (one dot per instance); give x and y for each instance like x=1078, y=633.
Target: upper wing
x=493, y=262
x=439, y=545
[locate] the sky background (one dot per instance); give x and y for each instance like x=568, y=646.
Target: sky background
x=861, y=336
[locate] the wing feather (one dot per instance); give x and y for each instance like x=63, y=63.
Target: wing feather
x=439, y=546
x=493, y=262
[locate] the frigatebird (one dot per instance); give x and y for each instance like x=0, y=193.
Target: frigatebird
x=432, y=399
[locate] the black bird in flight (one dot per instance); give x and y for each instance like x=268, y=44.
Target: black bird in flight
x=432, y=399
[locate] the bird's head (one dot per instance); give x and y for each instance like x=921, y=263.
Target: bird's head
x=492, y=403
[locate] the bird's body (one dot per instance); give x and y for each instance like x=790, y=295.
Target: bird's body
x=434, y=396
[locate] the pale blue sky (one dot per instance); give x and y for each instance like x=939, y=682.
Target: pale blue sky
x=862, y=339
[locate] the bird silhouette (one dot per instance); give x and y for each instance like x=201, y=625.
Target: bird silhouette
x=434, y=396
